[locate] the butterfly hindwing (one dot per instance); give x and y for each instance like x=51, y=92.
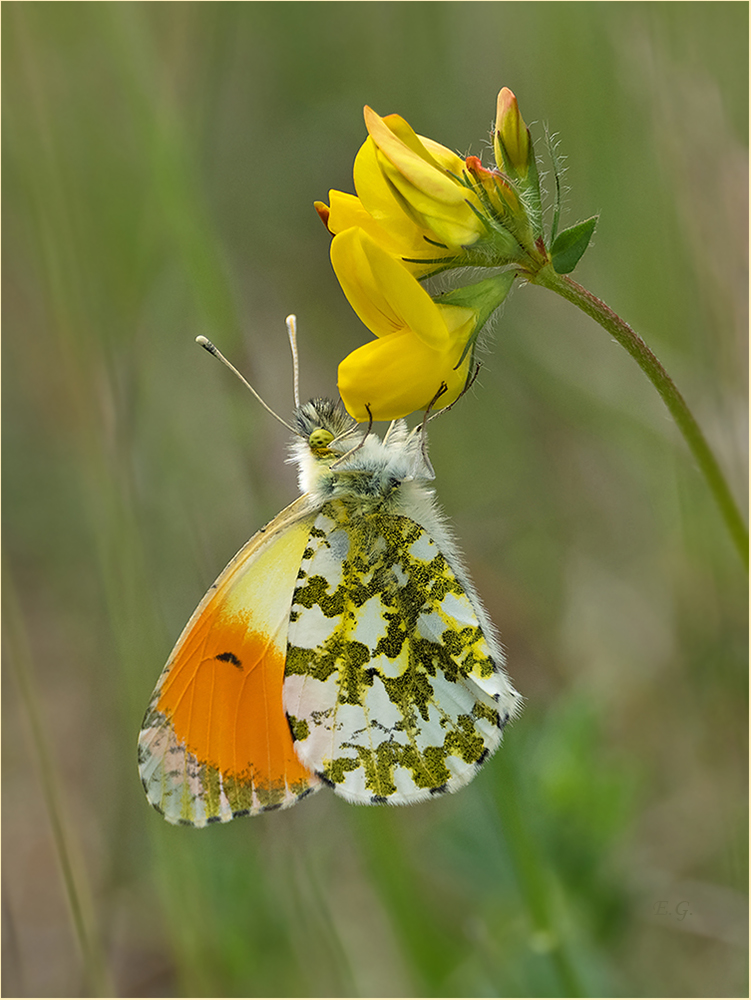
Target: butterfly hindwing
x=343, y=644
x=392, y=689
x=215, y=742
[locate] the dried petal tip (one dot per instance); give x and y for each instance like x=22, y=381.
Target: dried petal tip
x=323, y=211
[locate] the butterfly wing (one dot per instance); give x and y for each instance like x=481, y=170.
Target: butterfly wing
x=393, y=691
x=215, y=742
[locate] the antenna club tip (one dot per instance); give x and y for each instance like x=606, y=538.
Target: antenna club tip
x=205, y=342
x=291, y=319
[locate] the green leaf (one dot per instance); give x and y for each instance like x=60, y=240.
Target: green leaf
x=569, y=245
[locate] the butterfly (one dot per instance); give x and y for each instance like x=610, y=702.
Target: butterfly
x=344, y=645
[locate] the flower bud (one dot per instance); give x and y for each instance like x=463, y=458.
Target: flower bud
x=515, y=156
x=513, y=147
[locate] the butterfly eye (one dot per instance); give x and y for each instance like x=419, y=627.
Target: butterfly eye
x=319, y=440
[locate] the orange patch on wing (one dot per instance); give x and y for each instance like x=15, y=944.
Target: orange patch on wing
x=223, y=696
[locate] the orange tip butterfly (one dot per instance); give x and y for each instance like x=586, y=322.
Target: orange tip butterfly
x=344, y=645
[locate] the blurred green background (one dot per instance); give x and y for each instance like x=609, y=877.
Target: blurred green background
x=160, y=164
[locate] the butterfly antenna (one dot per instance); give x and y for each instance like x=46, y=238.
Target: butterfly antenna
x=208, y=346
x=359, y=444
x=291, y=322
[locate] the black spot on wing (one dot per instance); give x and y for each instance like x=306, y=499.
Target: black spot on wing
x=229, y=658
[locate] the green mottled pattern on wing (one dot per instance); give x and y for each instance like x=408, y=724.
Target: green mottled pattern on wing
x=384, y=650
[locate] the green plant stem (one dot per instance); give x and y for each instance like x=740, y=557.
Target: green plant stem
x=676, y=404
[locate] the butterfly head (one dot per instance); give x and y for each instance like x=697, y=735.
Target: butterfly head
x=326, y=428
x=325, y=432
x=336, y=458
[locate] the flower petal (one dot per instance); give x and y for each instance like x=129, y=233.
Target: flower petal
x=378, y=197
x=453, y=225
x=424, y=187
x=386, y=297
x=346, y=210
x=398, y=141
x=396, y=375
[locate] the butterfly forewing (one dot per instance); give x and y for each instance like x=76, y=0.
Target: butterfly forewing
x=215, y=742
x=392, y=689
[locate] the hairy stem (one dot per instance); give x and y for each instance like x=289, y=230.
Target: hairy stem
x=676, y=404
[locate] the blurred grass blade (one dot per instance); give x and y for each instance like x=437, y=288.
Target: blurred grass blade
x=534, y=878
x=73, y=872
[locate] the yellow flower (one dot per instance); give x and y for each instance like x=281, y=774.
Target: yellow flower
x=422, y=177
x=430, y=209
x=399, y=235
x=421, y=344
x=422, y=217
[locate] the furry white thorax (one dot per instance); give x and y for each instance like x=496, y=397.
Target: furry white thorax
x=373, y=469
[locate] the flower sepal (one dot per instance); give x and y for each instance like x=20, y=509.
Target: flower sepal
x=482, y=298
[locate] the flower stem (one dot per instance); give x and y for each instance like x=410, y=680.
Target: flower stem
x=633, y=343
